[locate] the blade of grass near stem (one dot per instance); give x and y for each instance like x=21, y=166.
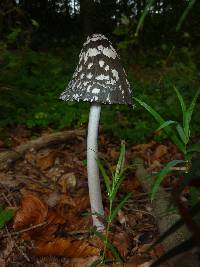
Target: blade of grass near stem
x=170, y=133
x=182, y=134
x=161, y=176
x=109, y=245
x=119, y=206
x=119, y=168
x=165, y=124
x=105, y=177
x=183, y=106
x=190, y=110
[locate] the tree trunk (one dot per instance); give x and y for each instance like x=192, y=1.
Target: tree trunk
x=86, y=15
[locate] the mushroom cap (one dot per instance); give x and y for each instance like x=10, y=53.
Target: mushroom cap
x=99, y=76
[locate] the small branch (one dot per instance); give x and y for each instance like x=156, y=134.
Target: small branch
x=25, y=230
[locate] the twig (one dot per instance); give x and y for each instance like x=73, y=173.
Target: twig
x=6, y=199
x=17, y=247
x=24, y=230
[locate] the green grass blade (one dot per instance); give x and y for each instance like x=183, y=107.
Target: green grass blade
x=185, y=13
x=119, y=206
x=170, y=133
x=119, y=167
x=161, y=176
x=116, y=187
x=190, y=110
x=183, y=106
x=109, y=245
x=165, y=124
x=105, y=177
x=194, y=148
x=182, y=134
x=143, y=16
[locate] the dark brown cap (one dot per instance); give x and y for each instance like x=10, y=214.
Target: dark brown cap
x=99, y=76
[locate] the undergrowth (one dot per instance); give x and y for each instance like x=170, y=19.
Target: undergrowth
x=31, y=82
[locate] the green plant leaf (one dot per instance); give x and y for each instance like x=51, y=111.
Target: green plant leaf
x=183, y=106
x=170, y=133
x=119, y=206
x=143, y=16
x=185, y=13
x=109, y=245
x=189, y=113
x=165, y=124
x=119, y=167
x=189, y=175
x=194, y=148
x=105, y=177
x=162, y=174
x=181, y=133
x=5, y=216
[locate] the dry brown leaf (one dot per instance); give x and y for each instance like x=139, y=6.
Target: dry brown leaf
x=67, y=181
x=160, y=151
x=122, y=242
x=2, y=143
x=32, y=211
x=75, y=223
x=82, y=202
x=141, y=148
x=46, y=161
x=129, y=185
x=66, y=247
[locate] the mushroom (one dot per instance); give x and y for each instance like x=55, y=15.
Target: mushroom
x=99, y=78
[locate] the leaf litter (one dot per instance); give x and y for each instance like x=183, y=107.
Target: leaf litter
x=51, y=226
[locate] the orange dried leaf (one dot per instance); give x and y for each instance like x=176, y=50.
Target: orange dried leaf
x=160, y=151
x=46, y=161
x=66, y=247
x=32, y=211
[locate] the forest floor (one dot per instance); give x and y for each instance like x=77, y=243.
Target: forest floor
x=48, y=191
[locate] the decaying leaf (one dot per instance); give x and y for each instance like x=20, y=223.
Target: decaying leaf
x=160, y=151
x=122, y=243
x=67, y=181
x=32, y=211
x=45, y=161
x=66, y=247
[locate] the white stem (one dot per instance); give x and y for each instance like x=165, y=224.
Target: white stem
x=92, y=167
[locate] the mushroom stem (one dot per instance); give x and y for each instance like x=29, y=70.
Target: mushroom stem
x=92, y=167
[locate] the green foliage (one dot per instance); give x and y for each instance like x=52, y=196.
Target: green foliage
x=31, y=82
x=112, y=186
x=5, y=216
x=180, y=135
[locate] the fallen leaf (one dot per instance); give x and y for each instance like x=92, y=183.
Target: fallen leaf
x=45, y=161
x=122, y=242
x=66, y=247
x=67, y=181
x=2, y=143
x=141, y=148
x=32, y=212
x=160, y=151
x=129, y=185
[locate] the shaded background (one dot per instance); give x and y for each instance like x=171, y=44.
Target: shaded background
x=39, y=46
